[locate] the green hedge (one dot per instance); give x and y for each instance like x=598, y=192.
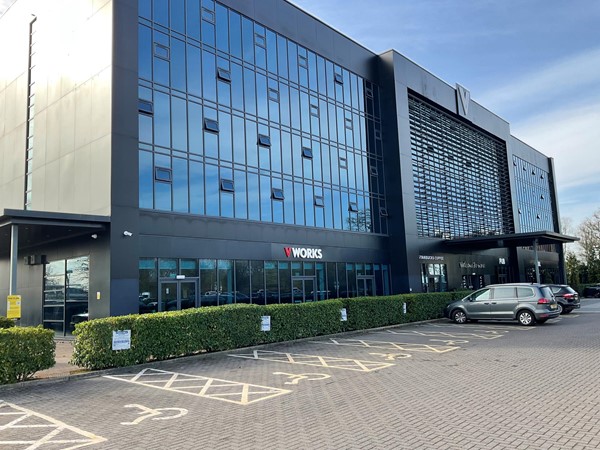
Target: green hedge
x=24, y=351
x=160, y=336
x=6, y=323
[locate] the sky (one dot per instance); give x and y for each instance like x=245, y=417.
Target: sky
x=535, y=63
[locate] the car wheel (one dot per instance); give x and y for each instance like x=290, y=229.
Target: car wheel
x=525, y=318
x=567, y=310
x=560, y=309
x=459, y=316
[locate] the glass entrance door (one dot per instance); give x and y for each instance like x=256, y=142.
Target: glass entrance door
x=303, y=289
x=366, y=286
x=177, y=294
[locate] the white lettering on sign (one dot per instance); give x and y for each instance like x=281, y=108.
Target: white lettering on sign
x=304, y=253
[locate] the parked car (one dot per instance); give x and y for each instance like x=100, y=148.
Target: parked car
x=592, y=291
x=526, y=303
x=566, y=296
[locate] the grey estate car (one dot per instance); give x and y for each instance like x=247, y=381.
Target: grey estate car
x=526, y=302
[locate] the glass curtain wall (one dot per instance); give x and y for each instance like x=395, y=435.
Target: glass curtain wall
x=238, y=121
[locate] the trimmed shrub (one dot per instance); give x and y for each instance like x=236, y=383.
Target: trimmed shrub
x=24, y=351
x=6, y=323
x=160, y=336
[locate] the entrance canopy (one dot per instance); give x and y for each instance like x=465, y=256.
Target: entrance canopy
x=38, y=228
x=511, y=240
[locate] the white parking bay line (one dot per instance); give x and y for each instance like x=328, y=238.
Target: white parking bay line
x=444, y=334
x=404, y=346
x=213, y=388
x=58, y=435
x=315, y=360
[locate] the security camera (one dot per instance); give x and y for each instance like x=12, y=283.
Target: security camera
x=127, y=233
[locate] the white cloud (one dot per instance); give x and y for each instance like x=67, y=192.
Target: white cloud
x=569, y=77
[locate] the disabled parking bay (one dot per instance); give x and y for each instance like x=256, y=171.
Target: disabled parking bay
x=430, y=385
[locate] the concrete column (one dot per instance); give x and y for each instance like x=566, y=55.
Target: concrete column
x=14, y=257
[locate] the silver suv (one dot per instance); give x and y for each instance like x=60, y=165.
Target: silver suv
x=527, y=303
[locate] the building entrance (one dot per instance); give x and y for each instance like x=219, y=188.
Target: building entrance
x=366, y=286
x=303, y=289
x=174, y=295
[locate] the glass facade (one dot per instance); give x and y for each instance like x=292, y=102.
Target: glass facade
x=66, y=292
x=296, y=137
x=168, y=284
x=462, y=185
x=534, y=196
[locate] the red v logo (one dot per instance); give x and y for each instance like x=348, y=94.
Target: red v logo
x=288, y=251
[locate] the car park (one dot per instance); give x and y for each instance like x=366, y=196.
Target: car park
x=566, y=296
x=527, y=303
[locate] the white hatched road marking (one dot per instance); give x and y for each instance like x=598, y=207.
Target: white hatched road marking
x=213, y=388
x=403, y=346
x=487, y=328
x=51, y=439
x=440, y=334
x=315, y=360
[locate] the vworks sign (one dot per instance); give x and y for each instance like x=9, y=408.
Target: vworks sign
x=303, y=253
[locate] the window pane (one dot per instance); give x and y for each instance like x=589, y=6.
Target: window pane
x=242, y=281
x=180, y=185
x=196, y=187
x=258, y=282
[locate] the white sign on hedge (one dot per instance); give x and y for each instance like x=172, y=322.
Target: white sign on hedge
x=265, y=323
x=121, y=340
x=344, y=315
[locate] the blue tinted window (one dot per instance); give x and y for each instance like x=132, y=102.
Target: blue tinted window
x=235, y=34
x=162, y=190
x=145, y=9
x=162, y=120
x=178, y=124
x=299, y=203
x=196, y=187
x=222, y=28
x=178, y=15
x=288, y=202
x=178, y=75
x=180, y=185
x=241, y=205
x=282, y=59
x=212, y=190
x=271, y=52
x=237, y=87
x=248, y=40
x=194, y=84
x=226, y=197
x=309, y=204
x=225, y=137
x=145, y=128
x=284, y=104
x=251, y=143
x=211, y=139
x=253, y=197
x=293, y=61
x=249, y=91
x=195, y=128
x=145, y=52
x=261, y=96
x=193, y=18
x=265, y=199
x=209, y=76
x=146, y=180
x=161, y=12
x=239, y=141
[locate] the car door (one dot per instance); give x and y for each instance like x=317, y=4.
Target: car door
x=503, y=303
x=478, y=306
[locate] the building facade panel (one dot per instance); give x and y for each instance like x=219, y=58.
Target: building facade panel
x=245, y=152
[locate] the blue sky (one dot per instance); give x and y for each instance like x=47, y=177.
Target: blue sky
x=535, y=63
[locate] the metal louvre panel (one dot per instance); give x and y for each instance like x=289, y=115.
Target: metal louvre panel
x=461, y=177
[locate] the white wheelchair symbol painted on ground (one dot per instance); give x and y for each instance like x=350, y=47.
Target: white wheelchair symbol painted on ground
x=444, y=334
x=402, y=346
x=392, y=356
x=40, y=430
x=150, y=412
x=315, y=360
x=303, y=376
x=213, y=388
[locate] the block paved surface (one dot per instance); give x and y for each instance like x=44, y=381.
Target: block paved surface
x=526, y=388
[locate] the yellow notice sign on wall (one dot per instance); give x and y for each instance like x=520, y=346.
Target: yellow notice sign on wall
x=13, y=307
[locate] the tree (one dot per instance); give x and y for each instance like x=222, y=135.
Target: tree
x=589, y=233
